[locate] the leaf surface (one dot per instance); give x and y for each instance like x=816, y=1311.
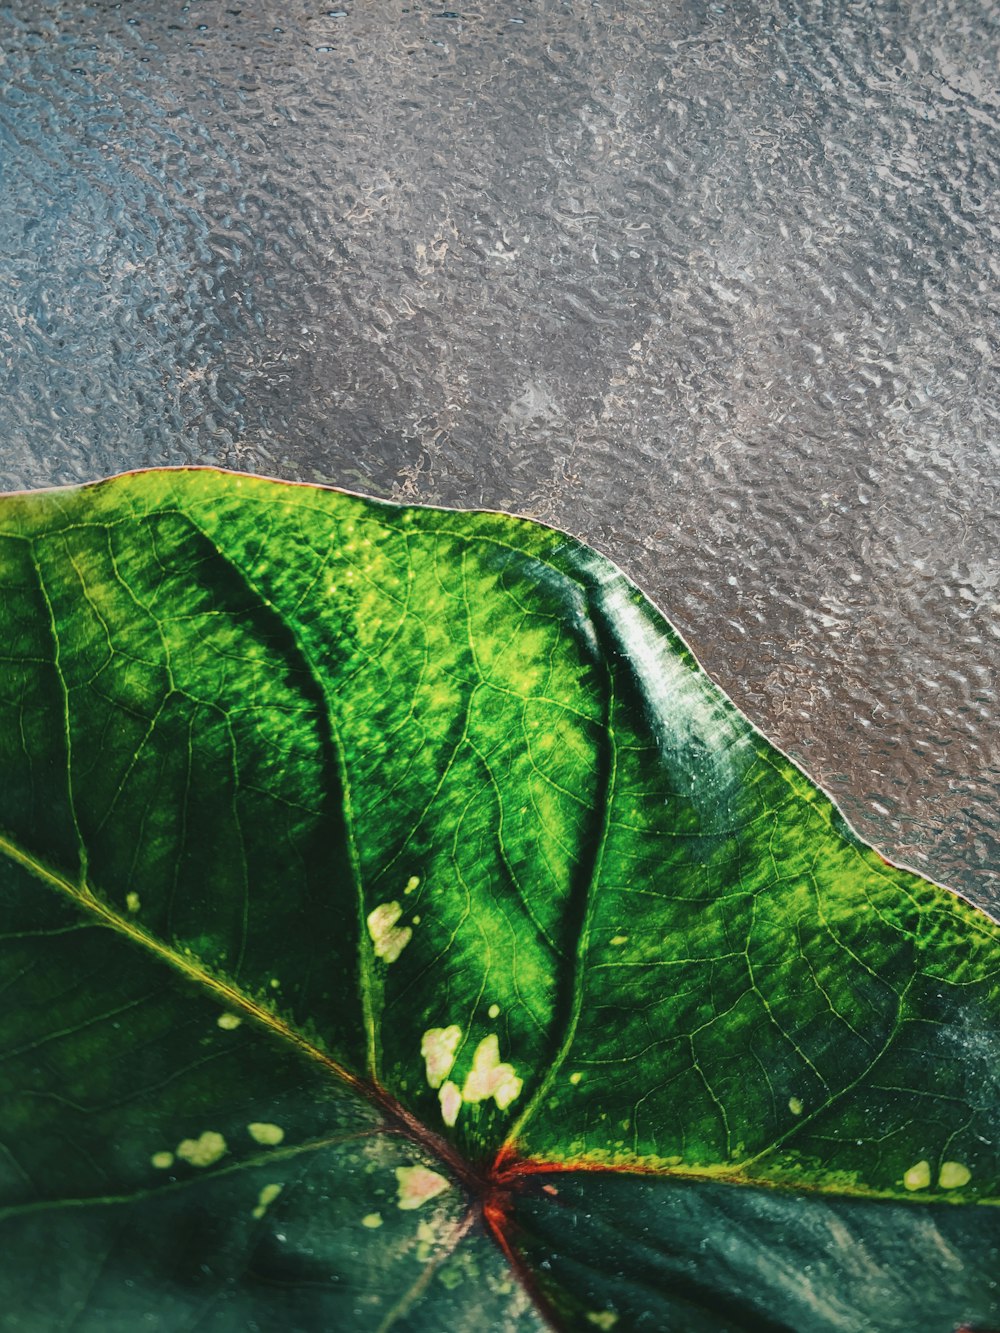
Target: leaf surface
x=401, y=930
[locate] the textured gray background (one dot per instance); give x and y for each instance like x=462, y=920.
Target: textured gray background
x=711, y=285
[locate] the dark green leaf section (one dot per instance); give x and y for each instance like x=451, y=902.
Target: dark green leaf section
x=305, y=797
x=164, y=744
x=192, y=1172
x=199, y=1259
x=111, y=1060
x=700, y=1257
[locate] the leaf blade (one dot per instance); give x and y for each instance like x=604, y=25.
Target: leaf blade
x=517, y=810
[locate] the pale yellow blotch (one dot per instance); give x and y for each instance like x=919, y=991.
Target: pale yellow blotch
x=133, y=902
x=795, y=1105
x=438, y=1047
x=265, y=1198
x=389, y=939
x=427, y=1240
x=575, y=1078
x=494, y=1011
x=371, y=1221
x=204, y=1150
x=162, y=1160
x=262, y=1132
x=918, y=1177
x=489, y=1078
x=603, y=1319
x=229, y=1022
x=417, y=1184
x=619, y=939
x=954, y=1175
x=450, y=1098
x=275, y=983
x=412, y=884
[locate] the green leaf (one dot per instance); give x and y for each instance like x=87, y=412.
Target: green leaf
x=400, y=930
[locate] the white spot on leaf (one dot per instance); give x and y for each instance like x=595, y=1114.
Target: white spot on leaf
x=204, y=1150
x=450, y=1098
x=428, y=1240
x=229, y=1022
x=603, y=1319
x=417, y=1184
x=438, y=1047
x=488, y=1077
x=389, y=939
x=412, y=884
x=954, y=1175
x=262, y=1132
x=918, y=1177
x=266, y=1197
x=494, y=1011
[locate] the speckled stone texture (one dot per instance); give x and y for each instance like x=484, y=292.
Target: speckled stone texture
x=712, y=286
